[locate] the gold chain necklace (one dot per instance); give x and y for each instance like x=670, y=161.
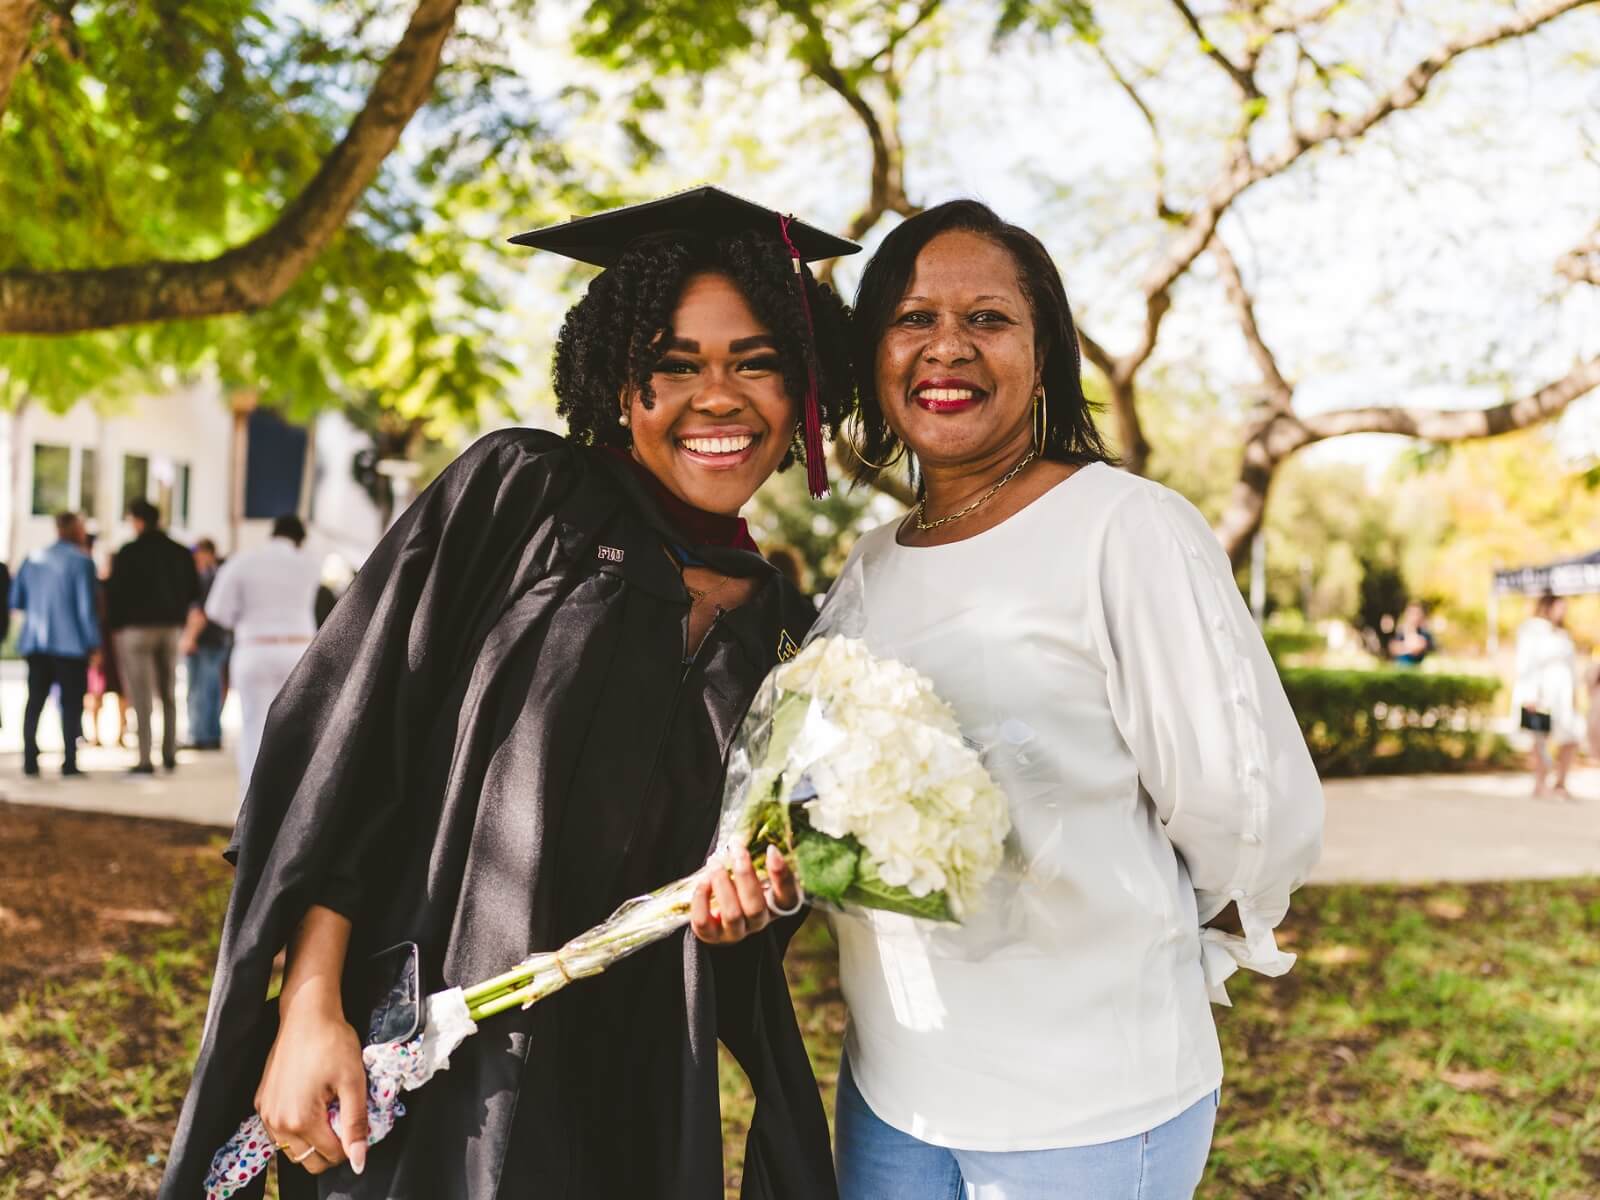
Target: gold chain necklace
x=700, y=595
x=924, y=526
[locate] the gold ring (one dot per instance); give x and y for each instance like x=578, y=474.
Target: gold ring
x=309, y=1151
x=280, y=1145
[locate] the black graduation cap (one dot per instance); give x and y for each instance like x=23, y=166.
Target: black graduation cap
x=712, y=212
x=707, y=210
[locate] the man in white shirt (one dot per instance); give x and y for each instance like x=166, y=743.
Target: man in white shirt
x=267, y=597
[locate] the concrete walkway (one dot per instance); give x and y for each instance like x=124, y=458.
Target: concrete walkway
x=1399, y=829
x=203, y=789
x=1429, y=828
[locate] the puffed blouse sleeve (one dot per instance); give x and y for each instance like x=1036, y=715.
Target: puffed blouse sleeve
x=1198, y=701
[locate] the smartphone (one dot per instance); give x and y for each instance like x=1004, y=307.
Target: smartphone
x=391, y=995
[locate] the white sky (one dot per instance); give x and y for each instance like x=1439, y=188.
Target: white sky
x=1416, y=267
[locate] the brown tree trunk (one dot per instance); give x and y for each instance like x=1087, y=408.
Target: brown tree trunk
x=16, y=35
x=1131, y=441
x=1268, y=445
x=253, y=275
x=1247, y=503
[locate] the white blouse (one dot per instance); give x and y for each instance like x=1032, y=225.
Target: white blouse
x=1096, y=645
x=1547, y=677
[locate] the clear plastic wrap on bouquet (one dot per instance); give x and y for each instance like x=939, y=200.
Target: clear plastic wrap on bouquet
x=1011, y=829
x=854, y=765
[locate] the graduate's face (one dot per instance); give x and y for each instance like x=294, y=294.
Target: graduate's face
x=722, y=419
x=958, y=367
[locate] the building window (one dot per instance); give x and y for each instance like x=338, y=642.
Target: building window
x=135, y=479
x=89, y=484
x=52, y=479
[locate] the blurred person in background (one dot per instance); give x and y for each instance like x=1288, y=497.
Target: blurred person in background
x=152, y=586
x=55, y=592
x=1592, y=681
x=267, y=598
x=205, y=650
x=1544, y=697
x=104, y=677
x=1413, y=640
x=5, y=609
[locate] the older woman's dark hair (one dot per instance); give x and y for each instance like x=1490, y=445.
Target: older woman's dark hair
x=611, y=339
x=1071, y=435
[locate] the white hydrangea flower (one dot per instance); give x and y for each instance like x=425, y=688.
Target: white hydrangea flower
x=894, y=773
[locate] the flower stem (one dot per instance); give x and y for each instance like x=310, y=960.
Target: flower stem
x=635, y=925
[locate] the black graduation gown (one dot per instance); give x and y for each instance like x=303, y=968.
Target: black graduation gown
x=491, y=743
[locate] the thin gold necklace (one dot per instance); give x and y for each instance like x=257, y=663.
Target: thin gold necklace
x=924, y=526
x=700, y=595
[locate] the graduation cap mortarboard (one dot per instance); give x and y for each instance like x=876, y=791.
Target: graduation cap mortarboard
x=707, y=211
x=710, y=212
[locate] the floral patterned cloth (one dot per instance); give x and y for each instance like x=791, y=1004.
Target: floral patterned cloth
x=392, y=1068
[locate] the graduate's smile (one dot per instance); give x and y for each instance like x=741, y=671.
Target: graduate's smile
x=719, y=449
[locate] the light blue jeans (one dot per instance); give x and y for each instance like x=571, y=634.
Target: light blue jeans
x=879, y=1162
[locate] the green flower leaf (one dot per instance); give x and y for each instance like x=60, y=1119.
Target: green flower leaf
x=870, y=891
x=827, y=866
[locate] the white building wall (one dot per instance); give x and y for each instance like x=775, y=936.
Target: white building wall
x=183, y=435
x=191, y=426
x=343, y=522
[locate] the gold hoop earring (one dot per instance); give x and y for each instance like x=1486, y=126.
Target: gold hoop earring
x=860, y=457
x=1041, y=420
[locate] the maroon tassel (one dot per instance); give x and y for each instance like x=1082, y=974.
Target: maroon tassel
x=816, y=463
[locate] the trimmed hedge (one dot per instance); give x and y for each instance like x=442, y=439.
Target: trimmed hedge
x=1284, y=640
x=1395, y=721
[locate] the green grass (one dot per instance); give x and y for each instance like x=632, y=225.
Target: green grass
x=93, y=1066
x=1439, y=1042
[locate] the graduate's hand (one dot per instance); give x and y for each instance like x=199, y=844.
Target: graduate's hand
x=315, y=1060
x=729, y=905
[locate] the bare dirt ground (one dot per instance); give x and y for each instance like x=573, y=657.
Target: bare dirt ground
x=77, y=887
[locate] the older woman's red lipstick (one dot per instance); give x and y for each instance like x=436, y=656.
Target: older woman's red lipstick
x=947, y=395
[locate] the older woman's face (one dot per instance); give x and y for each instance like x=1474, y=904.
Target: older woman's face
x=957, y=368
x=722, y=419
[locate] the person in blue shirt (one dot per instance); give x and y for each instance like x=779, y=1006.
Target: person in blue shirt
x=1413, y=640
x=54, y=590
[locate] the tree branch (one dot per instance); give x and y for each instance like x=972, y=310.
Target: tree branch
x=1582, y=264
x=253, y=275
x=929, y=7
x=1280, y=434
x=888, y=188
x=1449, y=425
x=16, y=35
x=1280, y=392
x=1244, y=173
x=1243, y=79
x=1096, y=353
x=1163, y=209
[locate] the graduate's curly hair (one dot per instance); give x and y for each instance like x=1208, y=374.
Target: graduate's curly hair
x=610, y=341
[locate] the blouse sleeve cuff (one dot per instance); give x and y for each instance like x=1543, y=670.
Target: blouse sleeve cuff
x=1221, y=954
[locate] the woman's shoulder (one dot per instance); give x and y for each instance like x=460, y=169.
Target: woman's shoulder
x=505, y=447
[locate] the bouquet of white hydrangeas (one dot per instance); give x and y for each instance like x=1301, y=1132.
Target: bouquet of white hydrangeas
x=856, y=768
x=851, y=765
